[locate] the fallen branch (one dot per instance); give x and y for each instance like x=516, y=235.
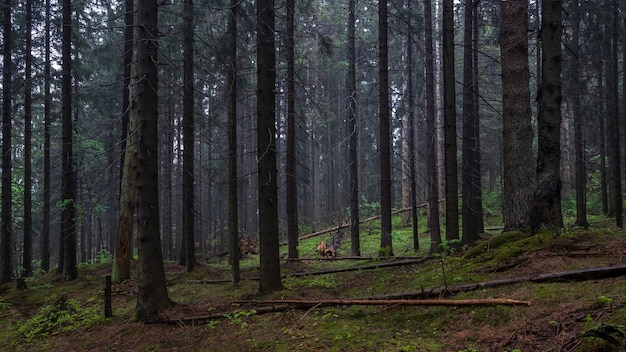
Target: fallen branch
x=402, y=302
x=205, y=319
x=575, y=275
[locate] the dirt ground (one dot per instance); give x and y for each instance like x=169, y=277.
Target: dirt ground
x=554, y=321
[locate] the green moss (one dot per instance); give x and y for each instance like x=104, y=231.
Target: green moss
x=495, y=242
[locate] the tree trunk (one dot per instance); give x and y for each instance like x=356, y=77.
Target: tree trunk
x=624, y=79
x=479, y=156
x=615, y=182
x=574, y=275
x=28, y=170
x=188, y=227
x=386, y=245
x=547, y=205
x=353, y=132
x=472, y=208
x=168, y=175
x=128, y=181
x=233, y=210
x=123, y=244
x=431, y=133
x=290, y=168
x=411, y=133
x=517, y=131
x=390, y=302
x=449, y=111
x=152, y=297
x=68, y=181
x=405, y=186
x=602, y=139
x=581, y=178
x=6, y=247
x=266, y=149
x=45, y=231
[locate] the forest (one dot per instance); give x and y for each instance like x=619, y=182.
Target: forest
x=245, y=144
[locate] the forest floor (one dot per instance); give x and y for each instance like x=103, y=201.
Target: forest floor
x=207, y=317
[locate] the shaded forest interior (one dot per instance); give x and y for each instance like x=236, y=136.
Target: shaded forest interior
x=149, y=132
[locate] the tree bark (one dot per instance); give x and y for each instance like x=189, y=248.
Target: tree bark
x=128, y=181
x=233, y=210
x=353, y=132
x=547, y=205
x=517, y=131
x=384, y=148
x=27, y=258
x=266, y=149
x=391, y=302
x=431, y=133
x=290, y=167
x=6, y=236
x=152, y=296
x=581, y=178
x=615, y=181
x=188, y=220
x=472, y=207
x=602, y=138
x=412, y=145
x=449, y=111
x=68, y=181
x=574, y=275
x=45, y=231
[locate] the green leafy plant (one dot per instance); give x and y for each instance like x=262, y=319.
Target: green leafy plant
x=236, y=317
x=4, y=305
x=62, y=315
x=604, y=301
x=34, y=284
x=103, y=256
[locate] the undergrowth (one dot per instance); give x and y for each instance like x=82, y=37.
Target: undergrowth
x=61, y=315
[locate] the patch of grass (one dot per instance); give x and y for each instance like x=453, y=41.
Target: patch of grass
x=311, y=281
x=493, y=316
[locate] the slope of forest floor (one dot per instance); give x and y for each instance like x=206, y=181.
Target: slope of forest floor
x=52, y=315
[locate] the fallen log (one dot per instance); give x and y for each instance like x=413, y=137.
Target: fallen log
x=390, y=302
x=351, y=258
x=360, y=267
x=273, y=306
x=565, y=276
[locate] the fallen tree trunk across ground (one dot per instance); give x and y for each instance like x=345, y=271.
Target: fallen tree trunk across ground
x=321, y=259
x=273, y=306
x=411, y=298
x=574, y=275
x=390, y=302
